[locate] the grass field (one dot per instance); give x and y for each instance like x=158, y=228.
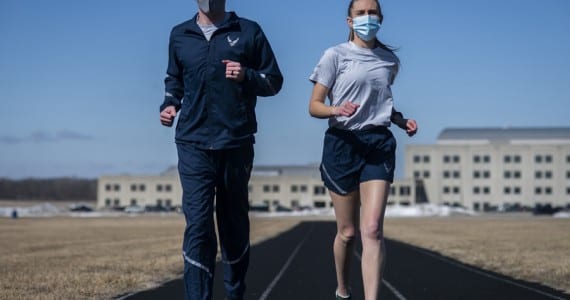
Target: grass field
x=535, y=249
x=78, y=258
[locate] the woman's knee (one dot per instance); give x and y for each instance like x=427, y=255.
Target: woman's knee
x=346, y=234
x=372, y=231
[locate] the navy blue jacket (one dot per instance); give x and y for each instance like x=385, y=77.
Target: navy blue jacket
x=215, y=112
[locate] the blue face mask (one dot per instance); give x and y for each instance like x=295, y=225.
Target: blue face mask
x=366, y=26
x=208, y=6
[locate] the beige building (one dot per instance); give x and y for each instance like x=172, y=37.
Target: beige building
x=494, y=168
x=297, y=187
x=270, y=188
x=164, y=190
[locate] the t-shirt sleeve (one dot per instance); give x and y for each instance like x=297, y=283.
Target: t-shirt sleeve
x=325, y=71
x=395, y=71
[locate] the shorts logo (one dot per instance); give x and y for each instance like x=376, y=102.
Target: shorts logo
x=388, y=166
x=232, y=42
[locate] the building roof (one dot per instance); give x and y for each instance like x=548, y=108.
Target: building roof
x=310, y=170
x=505, y=135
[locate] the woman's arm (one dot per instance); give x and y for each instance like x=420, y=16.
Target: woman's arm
x=318, y=108
x=409, y=125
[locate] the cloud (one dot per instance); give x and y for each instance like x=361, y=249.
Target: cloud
x=46, y=137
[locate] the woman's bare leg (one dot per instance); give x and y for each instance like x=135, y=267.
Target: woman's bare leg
x=374, y=195
x=346, y=210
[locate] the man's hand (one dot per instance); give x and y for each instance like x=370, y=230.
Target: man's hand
x=411, y=127
x=167, y=116
x=234, y=70
x=346, y=109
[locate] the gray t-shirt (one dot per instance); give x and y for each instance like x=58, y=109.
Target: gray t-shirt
x=360, y=75
x=209, y=30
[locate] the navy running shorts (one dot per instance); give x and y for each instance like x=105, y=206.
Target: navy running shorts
x=352, y=157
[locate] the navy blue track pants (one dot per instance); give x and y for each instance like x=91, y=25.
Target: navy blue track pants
x=221, y=176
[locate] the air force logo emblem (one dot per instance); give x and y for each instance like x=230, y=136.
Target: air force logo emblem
x=232, y=42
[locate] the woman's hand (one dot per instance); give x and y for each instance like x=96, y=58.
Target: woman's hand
x=346, y=109
x=411, y=127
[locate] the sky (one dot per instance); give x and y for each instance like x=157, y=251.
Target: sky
x=81, y=81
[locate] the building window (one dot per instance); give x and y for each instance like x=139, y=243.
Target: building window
x=537, y=159
x=108, y=187
x=107, y=202
x=159, y=202
x=416, y=174
x=476, y=174
x=168, y=188
x=392, y=190
x=168, y=203
x=476, y=206
x=446, y=190
x=133, y=187
x=319, y=190
x=517, y=174
x=486, y=190
x=117, y=202
x=405, y=190
x=295, y=203
x=568, y=191
x=507, y=174
x=476, y=159
x=548, y=174
x=507, y=159
x=266, y=188
x=568, y=159
x=303, y=188
x=507, y=190
x=537, y=174
x=117, y=187
x=133, y=202
x=142, y=187
x=456, y=174
x=446, y=174
x=416, y=158
x=476, y=190
x=486, y=159
x=294, y=188
x=517, y=190
x=486, y=174
x=456, y=190
x=456, y=159
x=537, y=190
x=275, y=188
x=568, y=174
x=320, y=204
x=426, y=159
x=548, y=159
x=517, y=159
x=548, y=190
x=159, y=187
x=446, y=159
x=426, y=174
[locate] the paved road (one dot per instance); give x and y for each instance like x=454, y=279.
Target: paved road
x=298, y=264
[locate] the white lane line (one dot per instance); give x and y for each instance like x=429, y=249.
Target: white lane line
x=385, y=282
x=285, y=266
x=482, y=273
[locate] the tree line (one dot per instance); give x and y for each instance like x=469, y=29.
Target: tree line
x=52, y=189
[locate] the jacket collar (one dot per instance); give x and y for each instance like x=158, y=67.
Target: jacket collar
x=229, y=22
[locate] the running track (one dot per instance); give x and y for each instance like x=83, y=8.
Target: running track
x=298, y=264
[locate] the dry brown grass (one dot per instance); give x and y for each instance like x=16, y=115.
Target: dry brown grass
x=528, y=248
x=67, y=258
